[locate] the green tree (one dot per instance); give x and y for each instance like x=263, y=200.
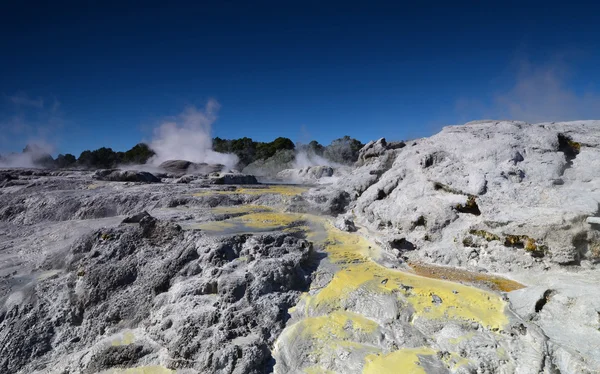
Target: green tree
x=65, y=161
x=343, y=150
x=266, y=150
x=104, y=158
x=315, y=147
x=139, y=154
x=85, y=158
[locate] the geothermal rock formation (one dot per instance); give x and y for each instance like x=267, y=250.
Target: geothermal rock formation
x=473, y=251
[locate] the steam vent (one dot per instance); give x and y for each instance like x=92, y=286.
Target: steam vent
x=475, y=250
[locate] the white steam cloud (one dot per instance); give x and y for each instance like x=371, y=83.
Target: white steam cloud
x=305, y=159
x=188, y=137
x=32, y=158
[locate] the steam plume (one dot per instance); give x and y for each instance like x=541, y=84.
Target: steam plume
x=188, y=137
x=34, y=156
x=304, y=159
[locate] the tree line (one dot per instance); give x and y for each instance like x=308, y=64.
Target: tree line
x=342, y=151
x=101, y=158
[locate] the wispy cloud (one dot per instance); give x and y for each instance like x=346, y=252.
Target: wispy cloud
x=539, y=93
x=21, y=99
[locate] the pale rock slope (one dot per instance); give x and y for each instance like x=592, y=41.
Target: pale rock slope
x=496, y=197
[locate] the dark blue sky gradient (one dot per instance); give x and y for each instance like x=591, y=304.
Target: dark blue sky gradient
x=305, y=70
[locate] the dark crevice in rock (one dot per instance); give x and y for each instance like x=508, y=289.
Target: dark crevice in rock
x=432, y=159
x=428, y=161
x=444, y=187
x=488, y=236
x=469, y=207
x=539, y=305
x=569, y=147
x=527, y=243
x=402, y=244
x=517, y=157
x=421, y=221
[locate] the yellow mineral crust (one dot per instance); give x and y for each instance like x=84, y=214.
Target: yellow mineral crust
x=318, y=370
x=405, y=361
x=125, y=339
x=359, y=273
x=269, y=220
x=334, y=336
x=241, y=209
x=153, y=369
x=322, y=318
x=257, y=221
x=279, y=190
x=337, y=325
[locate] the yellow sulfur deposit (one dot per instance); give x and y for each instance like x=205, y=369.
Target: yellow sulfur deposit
x=278, y=189
x=241, y=209
x=154, y=369
x=327, y=318
x=404, y=361
x=318, y=370
x=336, y=325
x=127, y=338
x=269, y=220
x=253, y=222
x=360, y=274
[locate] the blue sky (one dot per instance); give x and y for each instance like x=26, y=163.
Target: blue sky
x=84, y=74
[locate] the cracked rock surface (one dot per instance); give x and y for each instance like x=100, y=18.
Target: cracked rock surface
x=90, y=281
x=473, y=251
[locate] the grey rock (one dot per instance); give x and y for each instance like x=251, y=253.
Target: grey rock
x=182, y=167
x=116, y=356
x=82, y=292
x=375, y=149
x=126, y=176
x=345, y=223
x=136, y=218
x=233, y=178
x=71, y=290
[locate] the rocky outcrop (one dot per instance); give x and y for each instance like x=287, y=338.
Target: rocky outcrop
x=495, y=196
x=375, y=149
x=511, y=179
x=196, y=277
x=233, y=178
x=181, y=167
x=146, y=290
x=126, y=176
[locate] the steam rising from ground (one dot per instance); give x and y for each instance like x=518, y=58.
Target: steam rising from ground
x=188, y=137
x=305, y=159
x=33, y=157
